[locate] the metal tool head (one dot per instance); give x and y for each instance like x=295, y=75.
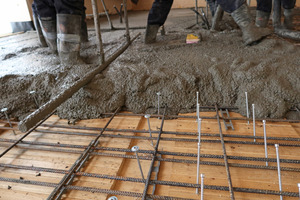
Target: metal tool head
x=3, y=109
x=276, y=145
x=32, y=92
x=135, y=148
x=264, y=121
x=147, y=116
x=113, y=198
x=158, y=93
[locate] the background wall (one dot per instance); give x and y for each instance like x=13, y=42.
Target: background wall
x=142, y=4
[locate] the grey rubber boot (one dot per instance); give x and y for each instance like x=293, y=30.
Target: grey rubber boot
x=262, y=19
x=39, y=31
x=151, y=32
x=288, y=19
x=68, y=38
x=48, y=26
x=251, y=33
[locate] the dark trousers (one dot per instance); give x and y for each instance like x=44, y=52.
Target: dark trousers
x=49, y=8
x=230, y=5
x=161, y=8
x=266, y=5
x=159, y=12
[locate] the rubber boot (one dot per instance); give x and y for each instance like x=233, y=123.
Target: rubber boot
x=68, y=38
x=48, y=26
x=288, y=19
x=251, y=33
x=212, y=6
x=262, y=19
x=151, y=32
x=39, y=31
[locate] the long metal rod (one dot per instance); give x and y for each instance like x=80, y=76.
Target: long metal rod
x=168, y=183
x=258, y=159
x=198, y=153
x=98, y=31
x=279, y=172
x=107, y=15
x=24, y=136
x=154, y=157
x=247, y=106
x=79, y=160
x=126, y=20
x=254, y=131
x=225, y=156
x=265, y=141
x=51, y=105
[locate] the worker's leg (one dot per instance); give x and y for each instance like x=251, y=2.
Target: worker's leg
x=47, y=17
x=230, y=5
x=156, y=18
x=288, y=6
x=212, y=6
x=263, y=12
x=69, y=14
x=37, y=26
x=251, y=33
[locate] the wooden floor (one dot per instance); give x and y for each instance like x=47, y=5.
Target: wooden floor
x=47, y=151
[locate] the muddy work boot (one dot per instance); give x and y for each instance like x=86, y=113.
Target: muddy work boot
x=39, y=31
x=68, y=38
x=288, y=19
x=251, y=33
x=48, y=26
x=151, y=32
x=262, y=19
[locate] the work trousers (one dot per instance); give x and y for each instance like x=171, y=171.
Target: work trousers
x=266, y=5
x=161, y=8
x=159, y=12
x=49, y=8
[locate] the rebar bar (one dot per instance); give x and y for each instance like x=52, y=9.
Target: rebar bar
x=247, y=106
x=154, y=156
x=265, y=141
x=279, y=173
x=79, y=162
x=225, y=155
x=253, y=117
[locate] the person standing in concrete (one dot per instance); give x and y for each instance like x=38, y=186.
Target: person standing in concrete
x=62, y=27
x=264, y=8
x=156, y=18
x=238, y=9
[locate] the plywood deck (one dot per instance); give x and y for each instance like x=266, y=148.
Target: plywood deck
x=54, y=156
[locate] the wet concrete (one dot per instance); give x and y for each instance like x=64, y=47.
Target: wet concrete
x=220, y=67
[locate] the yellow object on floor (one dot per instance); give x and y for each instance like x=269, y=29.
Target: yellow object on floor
x=190, y=39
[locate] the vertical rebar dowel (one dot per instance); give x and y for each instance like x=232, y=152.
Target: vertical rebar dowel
x=7, y=118
x=126, y=20
x=196, y=8
x=148, y=121
x=207, y=10
x=98, y=32
x=112, y=198
x=253, y=112
x=247, y=106
x=265, y=141
x=34, y=97
x=136, y=149
x=158, y=95
x=202, y=186
x=198, y=154
x=197, y=104
x=278, y=167
x=299, y=190
x=107, y=15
